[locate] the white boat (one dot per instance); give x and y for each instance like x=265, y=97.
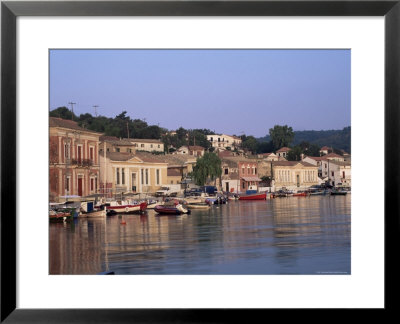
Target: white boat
x=94, y=214
x=198, y=206
x=126, y=207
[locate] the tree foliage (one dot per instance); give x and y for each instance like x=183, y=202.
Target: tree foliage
x=207, y=167
x=281, y=136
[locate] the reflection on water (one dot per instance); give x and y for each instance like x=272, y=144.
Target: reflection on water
x=295, y=235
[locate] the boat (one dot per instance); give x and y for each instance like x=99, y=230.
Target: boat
x=94, y=214
x=301, y=194
x=171, y=208
x=153, y=203
x=338, y=193
x=256, y=196
x=198, y=206
x=55, y=215
x=317, y=193
x=126, y=207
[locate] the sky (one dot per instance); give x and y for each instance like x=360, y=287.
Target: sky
x=233, y=92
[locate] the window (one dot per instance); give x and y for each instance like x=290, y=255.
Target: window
x=158, y=176
x=67, y=151
x=67, y=179
x=151, y=145
x=226, y=171
x=255, y=170
x=333, y=173
x=91, y=153
x=123, y=175
x=117, y=149
x=243, y=185
x=344, y=174
x=142, y=178
x=141, y=145
x=108, y=150
x=117, y=176
x=211, y=139
x=158, y=145
x=91, y=184
x=147, y=176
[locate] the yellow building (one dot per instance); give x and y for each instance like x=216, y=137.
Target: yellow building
x=141, y=172
x=294, y=175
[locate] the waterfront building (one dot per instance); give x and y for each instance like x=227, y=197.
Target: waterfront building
x=294, y=175
x=283, y=152
x=240, y=173
x=74, y=162
x=340, y=173
x=148, y=145
x=223, y=142
x=125, y=172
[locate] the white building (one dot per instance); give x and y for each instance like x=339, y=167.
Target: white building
x=340, y=173
x=223, y=141
x=149, y=145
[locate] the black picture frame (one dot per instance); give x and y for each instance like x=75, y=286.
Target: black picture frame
x=10, y=10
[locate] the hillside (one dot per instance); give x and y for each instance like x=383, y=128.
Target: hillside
x=339, y=139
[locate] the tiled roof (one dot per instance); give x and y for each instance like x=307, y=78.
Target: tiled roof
x=284, y=149
x=173, y=173
x=115, y=140
x=325, y=148
x=333, y=155
x=342, y=163
x=292, y=163
x=178, y=159
x=317, y=158
x=125, y=156
x=70, y=124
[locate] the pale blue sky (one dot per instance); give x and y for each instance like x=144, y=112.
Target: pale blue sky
x=229, y=91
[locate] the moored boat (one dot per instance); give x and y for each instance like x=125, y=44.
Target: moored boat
x=256, y=196
x=198, y=206
x=171, y=208
x=338, y=193
x=301, y=194
x=126, y=207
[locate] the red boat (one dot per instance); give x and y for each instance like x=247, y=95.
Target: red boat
x=300, y=194
x=127, y=207
x=256, y=196
x=171, y=208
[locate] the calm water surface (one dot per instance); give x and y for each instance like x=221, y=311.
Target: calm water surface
x=295, y=235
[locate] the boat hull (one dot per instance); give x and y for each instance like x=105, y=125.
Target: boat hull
x=126, y=209
x=262, y=196
x=95, y=214
x=170, y=210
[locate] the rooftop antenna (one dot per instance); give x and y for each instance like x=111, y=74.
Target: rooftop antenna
x=95, y=109
x=72, y=108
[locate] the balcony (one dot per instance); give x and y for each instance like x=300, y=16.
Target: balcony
x=82, y=162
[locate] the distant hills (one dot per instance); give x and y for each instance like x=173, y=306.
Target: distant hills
x=338, y=139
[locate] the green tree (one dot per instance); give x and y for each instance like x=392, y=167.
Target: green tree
x=250, y=143
x=295, y=154
x=281, y=136
x=207, y=166
x=64, y=113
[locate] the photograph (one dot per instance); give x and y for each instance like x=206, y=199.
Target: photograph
x=199, y=161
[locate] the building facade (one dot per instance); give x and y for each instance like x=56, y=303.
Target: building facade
x=294, y=175
x=132, y=173
x=74, y=166
x=148, y=145
x=223, y=142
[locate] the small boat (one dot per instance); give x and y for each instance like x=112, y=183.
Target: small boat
x=94, y=214
x=198, y=206
x=338, y=193
x=317, y=193
x=55, y=215
x=301, y=194
x=126, y=207
x=153, y=203
x=256, y=196
x=171, y=208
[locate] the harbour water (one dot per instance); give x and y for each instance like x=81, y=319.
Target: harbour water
x=294, y=235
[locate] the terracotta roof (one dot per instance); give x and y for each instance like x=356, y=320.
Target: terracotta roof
x=292, y=163
x=342, y=163
x=317, y=158
x=325, y=148
x=115, y=141
x=284, y=149
x=333, y=155
x=173, y=173
x=70, y=124
x=225, y=153
x=118, y=156
x=125, y=156
x=177, y=159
